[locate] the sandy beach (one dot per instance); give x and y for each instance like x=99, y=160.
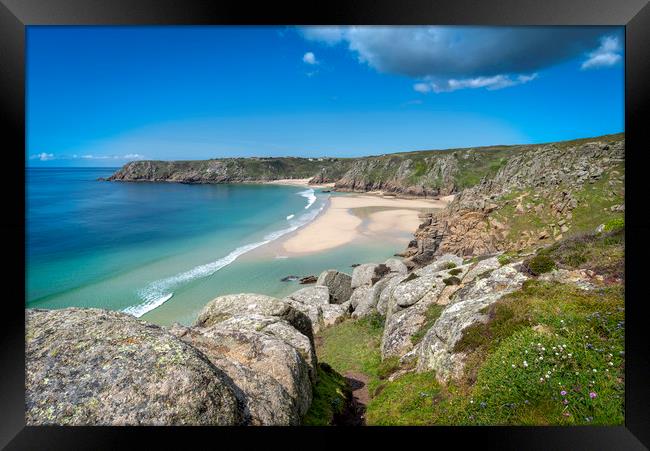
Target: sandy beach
x=298, y=182
x=349, y=217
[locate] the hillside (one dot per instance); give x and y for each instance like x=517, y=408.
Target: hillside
x=418, y=173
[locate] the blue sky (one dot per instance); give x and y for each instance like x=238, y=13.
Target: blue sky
x=102, y=96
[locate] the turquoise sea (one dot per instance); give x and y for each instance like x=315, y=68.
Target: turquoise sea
x=161, y=251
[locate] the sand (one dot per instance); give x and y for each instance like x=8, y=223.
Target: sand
x=298, y=182
x=349, y=217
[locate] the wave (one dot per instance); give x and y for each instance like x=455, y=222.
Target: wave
x=310, y=195
x=157, y=293
x=290, y=217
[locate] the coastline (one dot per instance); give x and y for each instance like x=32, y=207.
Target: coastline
x=348, y=218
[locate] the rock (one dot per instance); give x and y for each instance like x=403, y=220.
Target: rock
x=334, y=313
x=440, y=263
x=260, y=351
x=339, y=285
x=264, y=400
x=367, y=274
x=564, y=229
x=358, y=295
x=354, y=265
x=579, y=278
x=224, y=307
x=436, y=351
x=289, y=279
x=309, y=301
x=396, y=265
x=482, y=267
x=98, y=367
x=600, y=228
x=368, y=303
x=316, y=295
x=308, y=279
x=384, y=297
x=543, y=235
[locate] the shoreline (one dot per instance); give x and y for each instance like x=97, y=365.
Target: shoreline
x=346, y=219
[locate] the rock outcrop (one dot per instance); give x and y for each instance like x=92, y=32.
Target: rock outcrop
x=96, y=367
x=248, y=360
x=339, y=285
x=542, y=181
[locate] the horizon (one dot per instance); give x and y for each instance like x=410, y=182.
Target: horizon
x=104, y=96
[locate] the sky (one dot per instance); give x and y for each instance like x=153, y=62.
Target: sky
x=103, y=96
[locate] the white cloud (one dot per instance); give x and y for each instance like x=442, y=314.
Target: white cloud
x=490, y=83
x=447, y=58
x=128, y=156
x=607, y=54
x=309, y=58
x=42, y=156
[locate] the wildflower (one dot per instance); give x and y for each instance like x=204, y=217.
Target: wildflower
x=513, y=365
x=483, y=404
x=566, y=414
x=563, y=392
x=594, y=370
x=611, y=364
x=525, y=364
x=570, y=354
x=565, y=402
x=541, y=379
x=592, y=394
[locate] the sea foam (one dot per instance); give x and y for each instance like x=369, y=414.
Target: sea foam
x=160, y=291
x=310, y=195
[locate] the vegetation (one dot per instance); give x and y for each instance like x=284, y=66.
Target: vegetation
x=540, y=264
x=455, y=271
x=331, y=395
x=449, y=265
x=453, y=280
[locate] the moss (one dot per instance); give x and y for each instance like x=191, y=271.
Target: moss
x=455, y=271
x=331, y=396
x=540, y=264
x=449, y=265
x=614, y=224
x=453, y=280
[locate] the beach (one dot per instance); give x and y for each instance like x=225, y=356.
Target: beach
x=348, y=218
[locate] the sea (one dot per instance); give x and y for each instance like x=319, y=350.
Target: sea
x=161, y=251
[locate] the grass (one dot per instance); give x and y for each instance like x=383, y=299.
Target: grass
x=331, y=395
x=540, y=264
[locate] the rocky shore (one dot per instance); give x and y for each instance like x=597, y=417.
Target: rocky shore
x=549, y=214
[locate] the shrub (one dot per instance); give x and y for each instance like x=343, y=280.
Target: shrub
x=540, y=264
x=503, y=259
x=331, y=396
x=455, y=271
x=614, y=224
x=453, y=280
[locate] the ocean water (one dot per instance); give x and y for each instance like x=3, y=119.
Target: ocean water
x=161, y=251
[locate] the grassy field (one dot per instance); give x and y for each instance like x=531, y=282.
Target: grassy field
x=550, y=354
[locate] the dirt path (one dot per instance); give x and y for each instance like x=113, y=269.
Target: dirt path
x=356, y=415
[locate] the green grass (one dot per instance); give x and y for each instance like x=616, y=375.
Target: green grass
x=352, y=345
x=331, y=395
x=594, y=202
x=504, y=259
x=409, y=400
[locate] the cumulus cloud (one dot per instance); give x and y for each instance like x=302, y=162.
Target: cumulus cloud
x=445, y=58
x=607, y=54
x=309, y=58
x=42, y=156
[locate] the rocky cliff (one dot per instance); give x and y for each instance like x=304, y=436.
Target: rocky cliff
x=537, y=196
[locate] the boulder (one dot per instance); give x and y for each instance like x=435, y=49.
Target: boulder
x=439, y=264
x=436, y=351
x=263, y=353
x=334, y=313
x=386, y=292
x=339, y=285
x=368, y=304
x=368, y=274
x=309, y=301
x=358, y=295
x=98, y=367
x=263, y=400
x=308, y=279
x=224, y=307
x=396, y=265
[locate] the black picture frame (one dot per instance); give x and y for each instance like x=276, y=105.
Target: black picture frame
x=15, y=15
